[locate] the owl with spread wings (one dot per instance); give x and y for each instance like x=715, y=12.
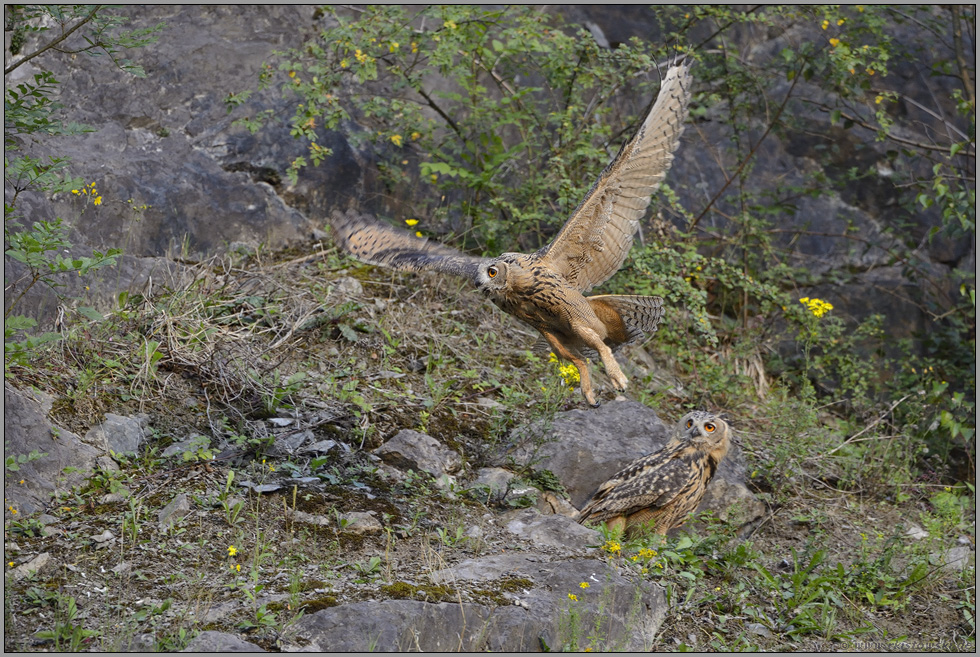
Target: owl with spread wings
x=546, y=289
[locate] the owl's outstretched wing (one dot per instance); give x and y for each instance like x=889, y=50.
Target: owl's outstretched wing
x=377, y=243
x=594, y=242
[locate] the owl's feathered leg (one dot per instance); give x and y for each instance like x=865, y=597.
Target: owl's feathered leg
x=575, y=359
x=592, y=339
x=615, y=526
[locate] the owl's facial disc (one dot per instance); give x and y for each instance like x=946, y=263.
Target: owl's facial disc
x=491, y=276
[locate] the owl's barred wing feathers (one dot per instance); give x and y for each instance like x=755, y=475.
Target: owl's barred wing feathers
x=377, y=243
x=594, y=242
x=650, y=482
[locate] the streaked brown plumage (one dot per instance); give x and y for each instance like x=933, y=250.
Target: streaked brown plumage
x=660, y=489
x=546, y=289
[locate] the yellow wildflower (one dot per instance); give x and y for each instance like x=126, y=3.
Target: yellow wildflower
x=835, y=42
x=573, y=597
x=74, y=191
x=450, y=24
x=396, y=140
x=583, y=585
x=416, y=135
x=612, y=547
x=393, y=46
x=418, y=233
x=878, y=99
x=97, y=201
x=411, y=222
x=10, y=563
x=825, y=24
x=818, y=307
x=292, y=74
x=344, y=63
x=870, y=71
x=232, y=550
x=360, y=56
x=570, y=373
x=415, y=47
x=840, y=21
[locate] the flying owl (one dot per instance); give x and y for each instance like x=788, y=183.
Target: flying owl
x=660, y=489
x=545, y=289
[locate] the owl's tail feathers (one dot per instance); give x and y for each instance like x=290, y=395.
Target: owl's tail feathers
x=628, y=317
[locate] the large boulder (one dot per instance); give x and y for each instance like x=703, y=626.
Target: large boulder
x=611, y=613
x=167, y=141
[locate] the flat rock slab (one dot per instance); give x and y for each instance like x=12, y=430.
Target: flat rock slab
x=583, y=448
x=119, y=434
x=26, y=428
x=551, y=530
x=612, y=613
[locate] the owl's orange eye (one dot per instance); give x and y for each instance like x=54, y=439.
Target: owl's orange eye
x=710, y=428
x=491, y=271
x=689, y=423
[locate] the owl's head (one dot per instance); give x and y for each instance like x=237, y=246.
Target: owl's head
x=494, y=274
x=705, y=430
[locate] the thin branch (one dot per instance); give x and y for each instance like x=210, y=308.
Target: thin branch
x=53, y=43
x=864, y=430
x=900, y=140
x=748, y=158
x=960, y=59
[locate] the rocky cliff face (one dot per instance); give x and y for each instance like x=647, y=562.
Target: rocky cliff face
x=167, y=141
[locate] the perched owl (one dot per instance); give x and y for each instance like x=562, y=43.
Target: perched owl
x=545, y=289
x=660, y=489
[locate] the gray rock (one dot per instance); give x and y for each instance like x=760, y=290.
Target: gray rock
x=312, y=519
x=956, y=559
x=361, y=523
x=211, y=641
x=145, y=642
x=347, y=287
x=621, y=614
x=32, y=566
x=915, y=532
x=319, y=447
x=260, y=488
x=287, y=444
x=26, y=428
x=191, y=445
x=551, y=530
x=583, y=448
x=411, y=450
x=179, y=507
x=496, y=480
x=118, y=434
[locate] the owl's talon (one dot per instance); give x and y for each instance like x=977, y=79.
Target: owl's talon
x=619, y=381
